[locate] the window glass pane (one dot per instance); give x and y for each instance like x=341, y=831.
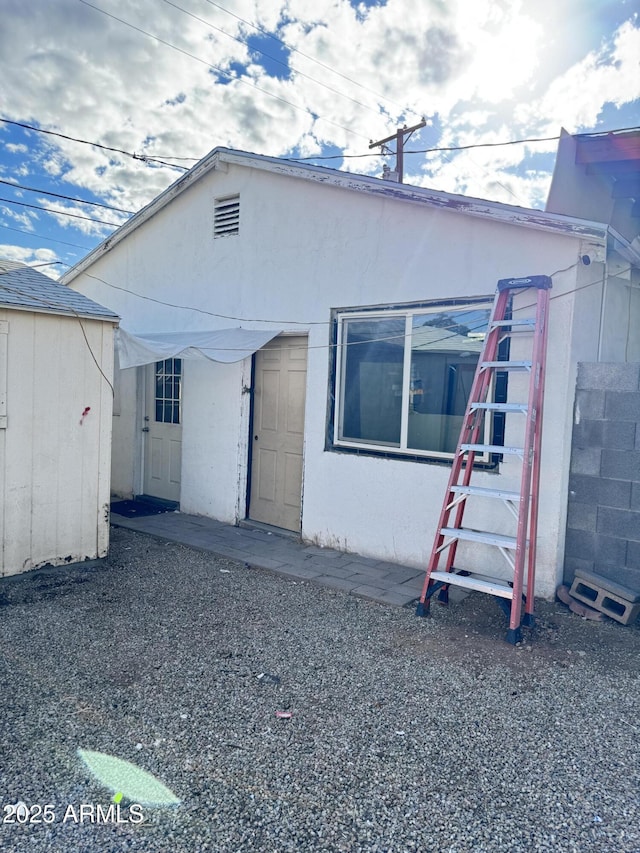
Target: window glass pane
x=445, y=348
x=371, y=388
x=167, y=395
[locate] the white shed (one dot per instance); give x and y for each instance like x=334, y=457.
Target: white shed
x=56, y=393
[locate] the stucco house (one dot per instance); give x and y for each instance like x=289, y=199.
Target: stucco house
x=56, y=376
x=297, y=345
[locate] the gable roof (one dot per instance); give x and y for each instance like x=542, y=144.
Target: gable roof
x=28, y=289
x=364, y=184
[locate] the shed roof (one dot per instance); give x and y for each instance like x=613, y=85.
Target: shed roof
x=26, y=288
x=366, y=185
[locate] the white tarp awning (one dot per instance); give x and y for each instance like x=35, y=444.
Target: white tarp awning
x=225, y=345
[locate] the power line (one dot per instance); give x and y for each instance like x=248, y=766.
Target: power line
x=317, y=157
x=272, y=58
x=228, y=74
x=42, y=237
x=142, y=157
x=311, y=58
x=59, y=212
x=463, y=147
x=65, y=197
x=57, y=307
x=329, y=322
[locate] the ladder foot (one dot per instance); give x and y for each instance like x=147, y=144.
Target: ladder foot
x=443, y=596
x=514, y=636
x=423, y=608
x=529, y=620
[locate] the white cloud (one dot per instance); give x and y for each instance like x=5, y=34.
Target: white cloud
x=31, y=257
x=576, y=99
x=482, y=67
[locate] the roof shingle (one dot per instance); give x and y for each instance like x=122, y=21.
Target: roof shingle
x=23, y=287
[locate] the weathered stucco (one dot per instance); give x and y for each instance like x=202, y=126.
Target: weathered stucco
x=304, y=248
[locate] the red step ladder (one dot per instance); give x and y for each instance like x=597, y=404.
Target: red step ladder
x=519, y=551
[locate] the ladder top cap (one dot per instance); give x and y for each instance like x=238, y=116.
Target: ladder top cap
x=540, y=281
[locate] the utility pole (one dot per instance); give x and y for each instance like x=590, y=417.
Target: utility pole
x=399, y=136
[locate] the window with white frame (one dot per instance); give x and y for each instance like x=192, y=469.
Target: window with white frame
x=403, y=376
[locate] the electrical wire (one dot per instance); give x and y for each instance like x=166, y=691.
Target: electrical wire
x=65, y=197
x=142, y=157
x=264, y=32
x=449, y=148
x=60, y=212
x=464, y=304
x=272, y=58
x=145, y=158
x=57, y=307
x=222, y=71
x=42, y=237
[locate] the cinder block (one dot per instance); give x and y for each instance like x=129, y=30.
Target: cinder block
x=586, y=460
x=633, y=555
x=635, y=497
x=624, y=377
x=612, y=599
x=581, y=516
x=618, y=523
x=597, y=491
x=580, y=544
x=589, y=405
x=619, y=465
x=610, y=551
x=619, y=435
x=572, y=565
x=622, y=405
x=589, y=433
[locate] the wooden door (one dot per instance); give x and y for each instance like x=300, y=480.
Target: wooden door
x=278, y=433
x=163, y=430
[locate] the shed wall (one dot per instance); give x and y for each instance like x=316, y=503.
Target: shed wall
x=55, y=462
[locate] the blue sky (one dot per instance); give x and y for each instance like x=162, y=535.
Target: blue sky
x=157, y=84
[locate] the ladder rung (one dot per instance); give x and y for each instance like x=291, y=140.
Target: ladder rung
x=500, y=407
x=482, y=492
x=507, y=365
x=494, y=586
x=486, y=538
x=492, y=448
x=517, y=321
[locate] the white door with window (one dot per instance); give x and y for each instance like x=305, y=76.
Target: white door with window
x=278, y=433
x=163, y=430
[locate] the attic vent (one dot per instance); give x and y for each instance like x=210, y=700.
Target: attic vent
x=226, y=219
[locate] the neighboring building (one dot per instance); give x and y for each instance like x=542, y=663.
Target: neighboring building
x=598, y=175
x=375, y=296
x=56, y=371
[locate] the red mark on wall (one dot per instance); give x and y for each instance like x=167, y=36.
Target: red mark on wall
x=84, y=414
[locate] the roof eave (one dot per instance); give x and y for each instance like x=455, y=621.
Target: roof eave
x=72, y=315
x=507, y=214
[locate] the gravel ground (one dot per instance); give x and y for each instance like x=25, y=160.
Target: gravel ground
x=405, y=734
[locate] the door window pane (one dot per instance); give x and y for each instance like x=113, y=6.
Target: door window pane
x=168, y=390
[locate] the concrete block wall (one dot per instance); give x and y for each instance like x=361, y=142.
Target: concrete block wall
x=603, y=522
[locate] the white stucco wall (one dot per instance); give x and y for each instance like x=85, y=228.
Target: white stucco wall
x=303, y=249
x=55, y=462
